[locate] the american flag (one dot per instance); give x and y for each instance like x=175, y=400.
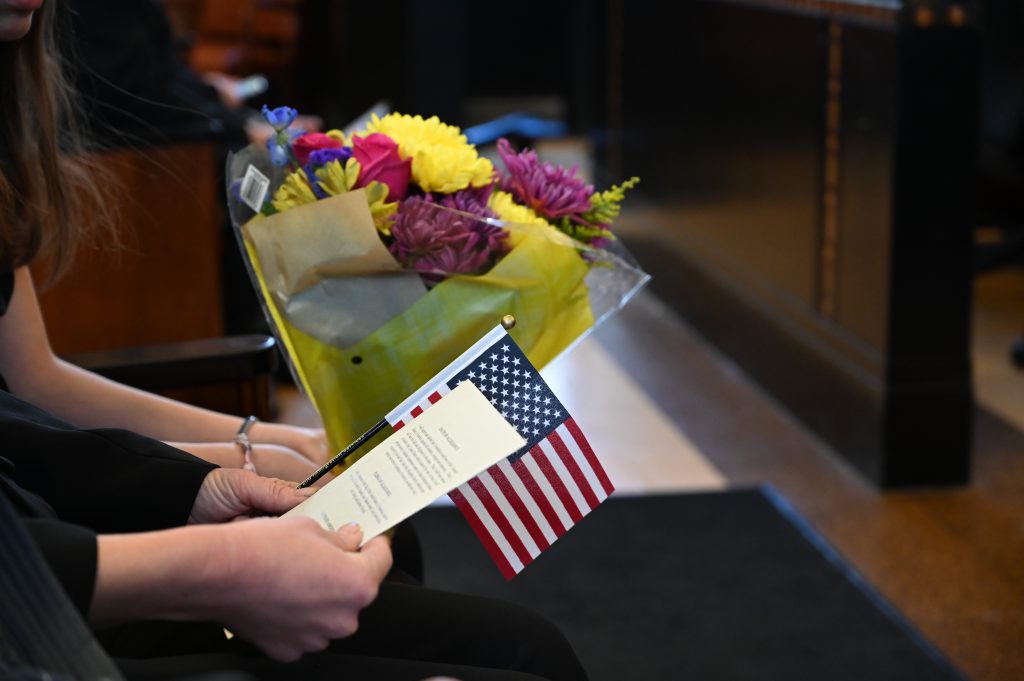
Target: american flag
x=521, y=505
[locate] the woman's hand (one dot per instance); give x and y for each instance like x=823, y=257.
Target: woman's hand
x=285, y=584
x=296, y=585
x=230, y=493
x=311, y=443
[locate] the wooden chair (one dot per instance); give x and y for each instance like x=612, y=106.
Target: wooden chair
x=164, y=285
x=151, y=315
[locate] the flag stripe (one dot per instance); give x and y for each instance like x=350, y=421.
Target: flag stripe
x=593, y=485
x=482, y=532
x=571, y=468
x=545, y=460
x=518, y=499
x=509, y=511
x=500, y=520
x=542, y=494
x=588, y=452
x=501, y=552
x=526, y=489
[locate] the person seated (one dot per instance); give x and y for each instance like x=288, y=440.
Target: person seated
x=137, y=89
x=138, y=532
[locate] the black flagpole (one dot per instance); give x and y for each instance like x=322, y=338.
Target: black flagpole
x=343, y=454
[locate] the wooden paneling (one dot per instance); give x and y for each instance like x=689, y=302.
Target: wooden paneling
x=819, y=161
x=165, y=284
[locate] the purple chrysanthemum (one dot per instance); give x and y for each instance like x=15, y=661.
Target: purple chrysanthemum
x=550, y=190
x=470, y=200
x=437, y=242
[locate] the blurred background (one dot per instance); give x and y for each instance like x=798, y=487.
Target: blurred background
x=831, y=207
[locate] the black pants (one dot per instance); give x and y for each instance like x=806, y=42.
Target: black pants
x=409, y=633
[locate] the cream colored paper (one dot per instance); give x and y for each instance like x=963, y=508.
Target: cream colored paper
x=329, y=272
x=448, y=444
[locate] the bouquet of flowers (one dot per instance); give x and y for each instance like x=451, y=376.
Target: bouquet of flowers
x=383, y=254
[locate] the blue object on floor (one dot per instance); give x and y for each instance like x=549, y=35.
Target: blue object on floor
x=515, y=124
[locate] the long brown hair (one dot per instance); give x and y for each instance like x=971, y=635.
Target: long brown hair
x=47, y=189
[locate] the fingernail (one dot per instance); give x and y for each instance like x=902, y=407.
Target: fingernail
x=351, y=524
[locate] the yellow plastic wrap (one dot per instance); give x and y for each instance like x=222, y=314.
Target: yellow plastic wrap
x=541, y=281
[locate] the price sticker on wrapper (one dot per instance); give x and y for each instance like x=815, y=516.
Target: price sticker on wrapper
x=254, y=188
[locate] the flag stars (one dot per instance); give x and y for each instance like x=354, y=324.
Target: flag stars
x=515, y=361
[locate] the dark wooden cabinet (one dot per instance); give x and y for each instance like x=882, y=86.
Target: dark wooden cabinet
x=817, y=161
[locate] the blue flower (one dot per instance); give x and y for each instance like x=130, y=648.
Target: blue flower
x=280, y=118
x=279, y=155
x=322, y=157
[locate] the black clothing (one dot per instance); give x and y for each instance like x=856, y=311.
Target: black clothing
x=6, y=289
x=134, y=83
x=409, y=633
x=68, y=483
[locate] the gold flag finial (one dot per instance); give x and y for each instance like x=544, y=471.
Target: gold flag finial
x=508, y=321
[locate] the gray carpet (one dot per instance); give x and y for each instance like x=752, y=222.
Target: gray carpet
x=724, y=585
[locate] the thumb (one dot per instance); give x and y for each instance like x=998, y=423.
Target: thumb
x=349, y=536
x=271, y=495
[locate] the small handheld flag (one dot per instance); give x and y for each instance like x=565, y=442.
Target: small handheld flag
x=521, y=505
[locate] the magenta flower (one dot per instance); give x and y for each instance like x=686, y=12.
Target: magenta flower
x=470, y=200
x=550, y=190
x=437, y=242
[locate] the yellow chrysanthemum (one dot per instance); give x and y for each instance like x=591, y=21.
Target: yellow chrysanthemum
x=442, y=160
x=380, y=209
x=295, y=191
x=336, y=178
x=508, y=210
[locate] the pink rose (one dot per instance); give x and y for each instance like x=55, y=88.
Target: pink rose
x=379, y=160
x=304, y=145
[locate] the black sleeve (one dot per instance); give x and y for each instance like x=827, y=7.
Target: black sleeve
x=106, y=479
x=70, y=551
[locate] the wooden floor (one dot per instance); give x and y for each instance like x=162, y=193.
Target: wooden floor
x=950, y=560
